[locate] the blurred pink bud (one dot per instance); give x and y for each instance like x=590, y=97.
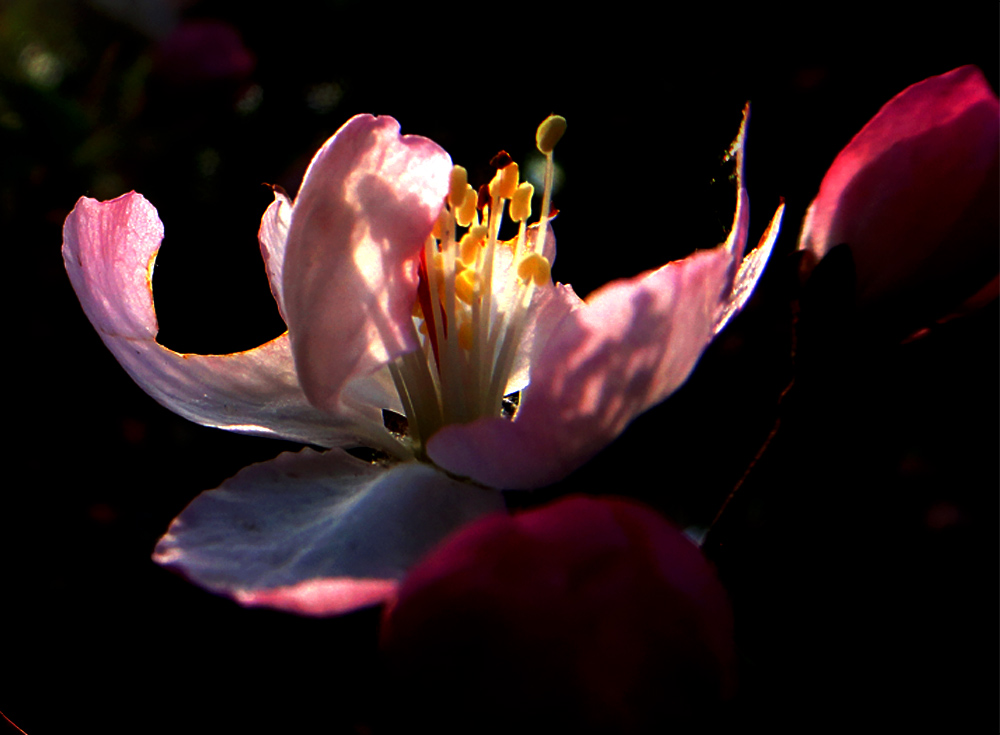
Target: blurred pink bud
x=587, y=615
x=914, y=195
x=203, y=51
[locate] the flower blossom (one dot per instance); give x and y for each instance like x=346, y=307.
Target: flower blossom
x=412, y=329
x=914, y=196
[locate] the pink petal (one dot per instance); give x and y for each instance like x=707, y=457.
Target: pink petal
x=747, y=270
x=549, y=304
x=368, y=202
x=109, y=249
x=736, y=242
x=634, y=343
x=914, y=194
x=273, y=236
x=321, y=597
x=318, y=533
x=750, y=270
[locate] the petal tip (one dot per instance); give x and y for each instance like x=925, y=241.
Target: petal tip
x=321, y=597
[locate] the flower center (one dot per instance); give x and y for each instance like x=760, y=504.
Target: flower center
x=474, y=298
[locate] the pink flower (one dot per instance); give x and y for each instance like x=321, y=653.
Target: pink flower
x=586, y=615
x=392, y=312
x=914, y=195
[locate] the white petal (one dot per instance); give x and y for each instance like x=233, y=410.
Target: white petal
x=328, y=518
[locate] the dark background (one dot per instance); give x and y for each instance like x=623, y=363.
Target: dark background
x=861, y=551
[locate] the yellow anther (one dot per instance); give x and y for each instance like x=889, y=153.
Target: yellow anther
x=549, y=133
x=417, y=310
x=534, y=267
x=456, y=190
x=520, y=203
x=504, y=182
x=466, y=285
x=508, y=180
x=468, y=248
x=465, y=335
x=466, y=211
x=442, y=224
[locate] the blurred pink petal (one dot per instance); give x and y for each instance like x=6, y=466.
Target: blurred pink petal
x=589, y=614
x=914, y=195
x=203, y=51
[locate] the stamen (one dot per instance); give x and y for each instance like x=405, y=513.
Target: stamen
x=458, y=184
x=466, y=284
x=465, y=335
x=484, y=196
x=534, y=267
x=520, y=202
x=504, y=183
x=466, y=212
x=546, y=137
x=549, y=132
x=501, y=159
x=520, y=210
x=441, y=225
x=469, y=331
x=472, y=241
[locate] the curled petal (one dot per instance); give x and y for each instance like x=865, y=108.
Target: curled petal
x=750, y=271
x=736, y=242
x=744, y=272
x=630, y=346
x=273, y=235
x=317, y=533
x=914, y=196
x=109, y=249
x=368, y=202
